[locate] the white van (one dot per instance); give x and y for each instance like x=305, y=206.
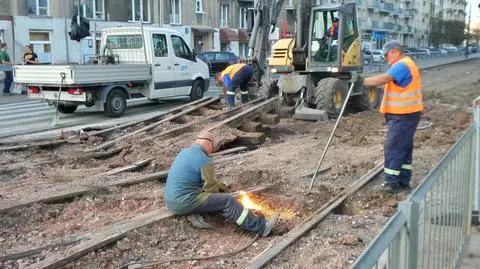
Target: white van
x=158, y=64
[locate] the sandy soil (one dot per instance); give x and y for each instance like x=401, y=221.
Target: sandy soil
x=292, y=148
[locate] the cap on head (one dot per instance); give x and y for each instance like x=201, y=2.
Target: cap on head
x=335, y=19
x=390, y=45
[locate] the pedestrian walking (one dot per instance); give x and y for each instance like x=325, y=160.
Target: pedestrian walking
x=5, y=59
x=402, y=106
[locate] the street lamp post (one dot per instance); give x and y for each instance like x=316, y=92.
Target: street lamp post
x=468, y=30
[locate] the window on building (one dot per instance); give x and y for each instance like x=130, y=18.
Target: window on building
x=175, y=11
x=160, y=45
x=139, y=9
x=93, y=9
x=224, y=16
x=199, y=6
x=242, y=20
x=180, y=48
x=42, y=46
x=38, y=7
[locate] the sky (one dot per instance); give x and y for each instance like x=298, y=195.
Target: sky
x=475, y=11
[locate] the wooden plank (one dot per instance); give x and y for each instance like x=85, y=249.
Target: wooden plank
x=26, y=253
x=84, y=190
x=229, y=151
x=236, y=120
x=130, y=167
x=250, y=138
x=153, y=125
x=156, y=117
x=270, y=119
x=221, y=116
x=310, y=222
x=111, y=233
x=323, y=170
x=251, y=126
x=33, y=145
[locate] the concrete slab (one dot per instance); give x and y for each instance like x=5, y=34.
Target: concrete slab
x=472, y=257
x=305, y=113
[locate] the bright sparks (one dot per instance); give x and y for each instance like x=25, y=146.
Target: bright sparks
x=248, y=203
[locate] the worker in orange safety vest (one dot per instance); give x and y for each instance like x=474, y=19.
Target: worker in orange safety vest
x=402, y=106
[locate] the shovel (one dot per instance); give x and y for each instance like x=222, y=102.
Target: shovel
x=331, y=136
x=55, y=118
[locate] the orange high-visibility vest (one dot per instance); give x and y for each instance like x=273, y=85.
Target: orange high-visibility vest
x=332, y=31
x=403, y=100
x=232, y=70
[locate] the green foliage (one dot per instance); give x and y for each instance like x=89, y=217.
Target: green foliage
x=446, y=32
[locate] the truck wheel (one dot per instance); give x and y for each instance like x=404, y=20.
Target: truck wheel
x=330, y=94
x=67, y=109
x=370, y=98
x=116, y=103
x=197, y=90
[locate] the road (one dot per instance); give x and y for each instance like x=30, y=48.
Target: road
x=22, y=119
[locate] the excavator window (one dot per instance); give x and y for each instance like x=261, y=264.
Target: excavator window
x=325, y=36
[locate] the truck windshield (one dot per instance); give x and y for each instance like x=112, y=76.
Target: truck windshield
x=124, y=41
x=323, y=47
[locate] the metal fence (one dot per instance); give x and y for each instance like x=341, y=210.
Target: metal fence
x=431, y=229
x=378, y=64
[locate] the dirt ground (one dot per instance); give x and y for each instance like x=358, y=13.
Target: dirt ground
x=292, y=148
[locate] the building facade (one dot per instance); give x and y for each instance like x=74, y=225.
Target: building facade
x=205, y=24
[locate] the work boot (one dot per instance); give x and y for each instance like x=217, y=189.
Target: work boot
x=387, y=187
x=270, y=224
x=198, y=222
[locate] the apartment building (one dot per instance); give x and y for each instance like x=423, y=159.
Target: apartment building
x=204, y=24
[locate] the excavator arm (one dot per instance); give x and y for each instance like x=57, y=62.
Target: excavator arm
x=265, y=14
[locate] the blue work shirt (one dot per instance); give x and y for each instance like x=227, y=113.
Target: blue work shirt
x=401, y=74
x=184, y=181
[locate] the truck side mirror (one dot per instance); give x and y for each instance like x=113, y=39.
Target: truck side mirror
x=194, y=55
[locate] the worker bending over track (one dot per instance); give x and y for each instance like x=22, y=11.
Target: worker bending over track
x=402, y=105
x=192, y=189
x=234, y=76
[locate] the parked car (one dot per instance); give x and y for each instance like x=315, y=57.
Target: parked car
x=203, y=57
x=377, y=55
x=451, y=49
x=425, y=51
x=219, y=60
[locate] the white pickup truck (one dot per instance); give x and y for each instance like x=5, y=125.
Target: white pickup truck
x=157, y=65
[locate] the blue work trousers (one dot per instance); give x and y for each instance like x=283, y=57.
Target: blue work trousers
x=241, y=79
x=8, y=81
x=226, y=205
x=399, y=148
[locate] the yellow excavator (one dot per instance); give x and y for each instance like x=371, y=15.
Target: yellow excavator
x=312, y=71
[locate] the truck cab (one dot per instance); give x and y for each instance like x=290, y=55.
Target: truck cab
x=155, y=63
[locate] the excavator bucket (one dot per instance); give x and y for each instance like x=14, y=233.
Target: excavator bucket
x=302, y=112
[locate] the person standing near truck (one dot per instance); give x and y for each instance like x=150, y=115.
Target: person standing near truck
x=5, y=59
x=30, y=57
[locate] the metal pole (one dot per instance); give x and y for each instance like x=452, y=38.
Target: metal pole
x=331, y=136
x=468, y=30
x=476, y=110
x=143, y=37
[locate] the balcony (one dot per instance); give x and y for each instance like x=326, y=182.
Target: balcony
x=409, y=12
x=398, y=28
x=386, y=7
x=371, y=4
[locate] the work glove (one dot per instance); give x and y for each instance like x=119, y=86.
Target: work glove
x=357, y=78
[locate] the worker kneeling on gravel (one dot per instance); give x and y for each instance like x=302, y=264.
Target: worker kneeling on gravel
x=192, y=189
x=402, y=105
x=234, y=76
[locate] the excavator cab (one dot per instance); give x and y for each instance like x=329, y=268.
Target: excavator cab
x=334, y=40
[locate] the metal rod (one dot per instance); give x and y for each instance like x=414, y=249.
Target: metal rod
x=331, y=137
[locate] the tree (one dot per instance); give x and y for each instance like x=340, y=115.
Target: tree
x=476, y=34
x=446, y=32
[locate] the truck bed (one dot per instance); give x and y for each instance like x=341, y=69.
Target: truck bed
x=76, y=74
